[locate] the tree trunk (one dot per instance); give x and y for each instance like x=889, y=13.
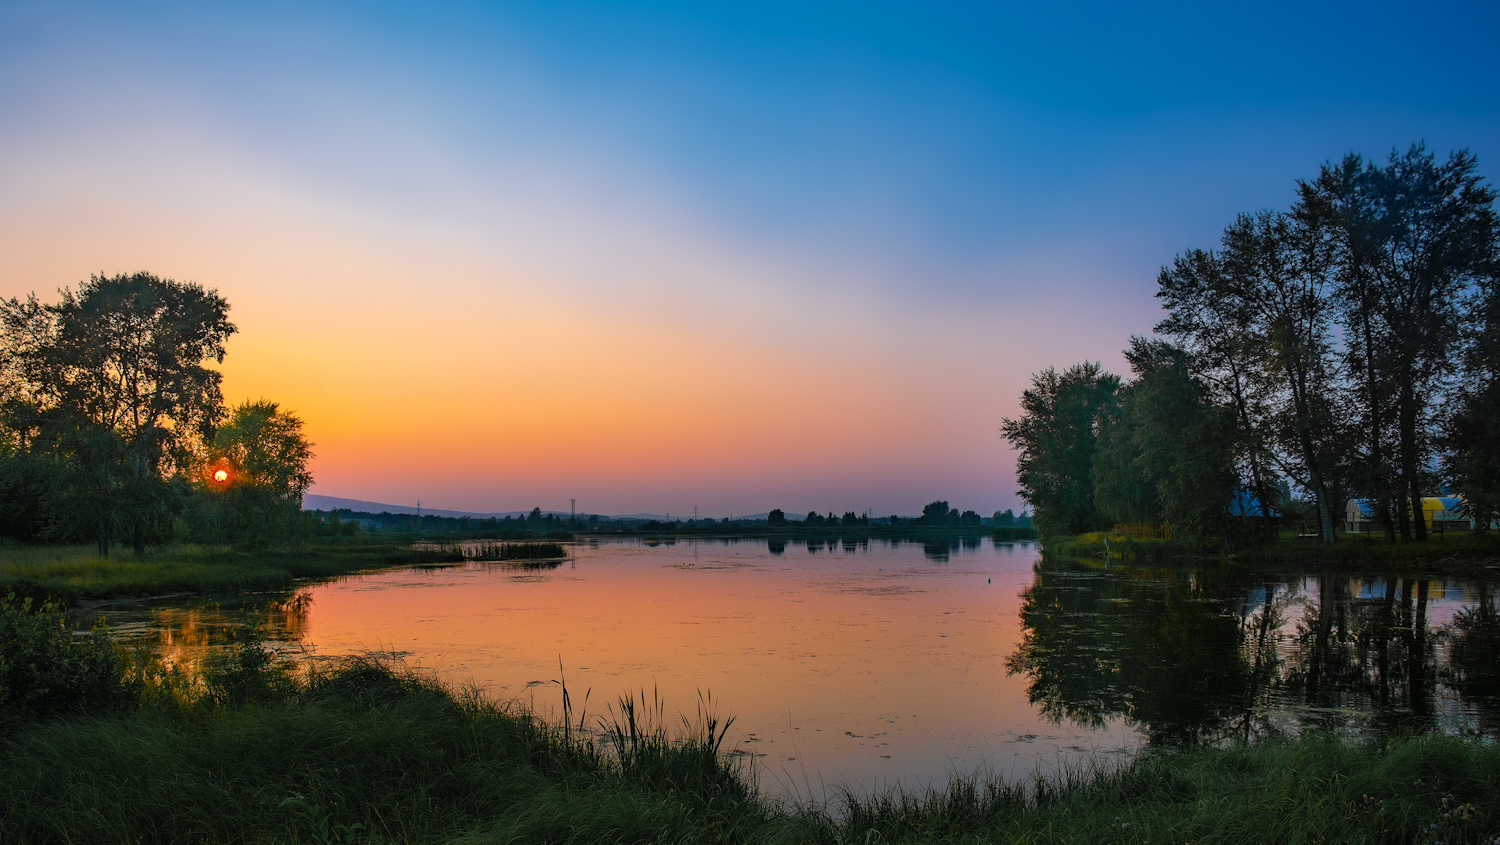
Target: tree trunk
x=1411, y=482
x=138, y=536
x=1303, y=407
x=1320, y=494
x=1257, y=478
x=1377, y=456
x=104, y=536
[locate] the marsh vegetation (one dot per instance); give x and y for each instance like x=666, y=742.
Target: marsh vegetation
x=362, y=749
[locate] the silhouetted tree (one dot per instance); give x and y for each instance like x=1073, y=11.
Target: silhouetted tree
x=935, y=513
x=1417, y=240
x=1187, y=478
x=776, y=518
x=265, y=454
x=112, y=380
x=1055, y=437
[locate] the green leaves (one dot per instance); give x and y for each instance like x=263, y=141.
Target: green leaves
x=46, y=672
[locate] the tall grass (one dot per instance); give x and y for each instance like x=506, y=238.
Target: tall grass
x=1318, y=789
x=360, y=749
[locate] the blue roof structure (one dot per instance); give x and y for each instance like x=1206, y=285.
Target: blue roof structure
x=1244, y=503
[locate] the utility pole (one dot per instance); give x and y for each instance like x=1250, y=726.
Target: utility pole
x=695, y=513
x=573, y=511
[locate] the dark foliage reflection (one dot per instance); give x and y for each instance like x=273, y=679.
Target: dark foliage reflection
x=1199, y=656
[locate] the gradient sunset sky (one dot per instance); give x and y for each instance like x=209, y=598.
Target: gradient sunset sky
x=657, y=255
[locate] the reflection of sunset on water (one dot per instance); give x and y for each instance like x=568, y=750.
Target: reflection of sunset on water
x=863, y=661
x=183, y=636
x=858, y=663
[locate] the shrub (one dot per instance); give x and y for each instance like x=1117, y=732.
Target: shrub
x=45, y=671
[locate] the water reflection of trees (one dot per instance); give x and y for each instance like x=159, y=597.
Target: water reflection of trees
x=1190, y=657
x=1474, y=659
x=184, y=636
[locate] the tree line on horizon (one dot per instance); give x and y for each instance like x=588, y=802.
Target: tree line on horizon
x=1347, y=347
x=934, y=514
x=112, y=422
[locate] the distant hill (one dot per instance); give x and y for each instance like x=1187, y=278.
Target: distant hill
x=316, y=502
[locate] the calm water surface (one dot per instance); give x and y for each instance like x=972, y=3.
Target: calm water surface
x=863, y=664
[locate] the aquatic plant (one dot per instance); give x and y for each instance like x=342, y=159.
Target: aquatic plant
x=514, y=551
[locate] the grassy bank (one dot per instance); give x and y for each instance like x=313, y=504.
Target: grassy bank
x=77, y=573
x=1454, y=551
x=365, y=751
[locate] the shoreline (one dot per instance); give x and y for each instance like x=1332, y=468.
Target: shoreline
x=77, y=574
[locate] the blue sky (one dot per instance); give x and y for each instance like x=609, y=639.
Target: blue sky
x=910, y=207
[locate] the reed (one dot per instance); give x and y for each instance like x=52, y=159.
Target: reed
x=515, y=551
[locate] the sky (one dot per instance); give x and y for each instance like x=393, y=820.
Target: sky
x=658, y=256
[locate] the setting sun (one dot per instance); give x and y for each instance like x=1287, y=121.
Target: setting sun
x=221, y=476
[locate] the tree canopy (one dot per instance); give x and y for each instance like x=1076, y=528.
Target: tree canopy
x=1345, y=347
x=110, y=403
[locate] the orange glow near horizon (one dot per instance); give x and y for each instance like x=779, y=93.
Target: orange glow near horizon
x=519, y=399
x=221, y=476
x=631, y=358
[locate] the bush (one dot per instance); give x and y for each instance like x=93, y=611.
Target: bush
x=45, y=671
x=248, y=672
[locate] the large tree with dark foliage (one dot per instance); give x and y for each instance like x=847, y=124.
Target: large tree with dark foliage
x=264, y=456
x=112, y=381
x=1349, y=346
x=1415, y=246
x=1055, y=439
x=1168, y=453
x=1260, y=311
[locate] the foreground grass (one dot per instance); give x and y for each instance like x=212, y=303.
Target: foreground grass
x=76, y=573
x=365, y=751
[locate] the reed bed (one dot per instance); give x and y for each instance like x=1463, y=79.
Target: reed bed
x=485, y=552
x=515, y=551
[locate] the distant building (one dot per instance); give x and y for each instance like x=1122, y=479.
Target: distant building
x=1445, y=512
x=1359, y=517
x=1440, y=513
x=1245, y=503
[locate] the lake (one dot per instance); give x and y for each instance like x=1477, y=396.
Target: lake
x=862, y=664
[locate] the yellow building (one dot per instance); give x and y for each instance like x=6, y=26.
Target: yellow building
x=1439, y=512
x=1444, y=512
